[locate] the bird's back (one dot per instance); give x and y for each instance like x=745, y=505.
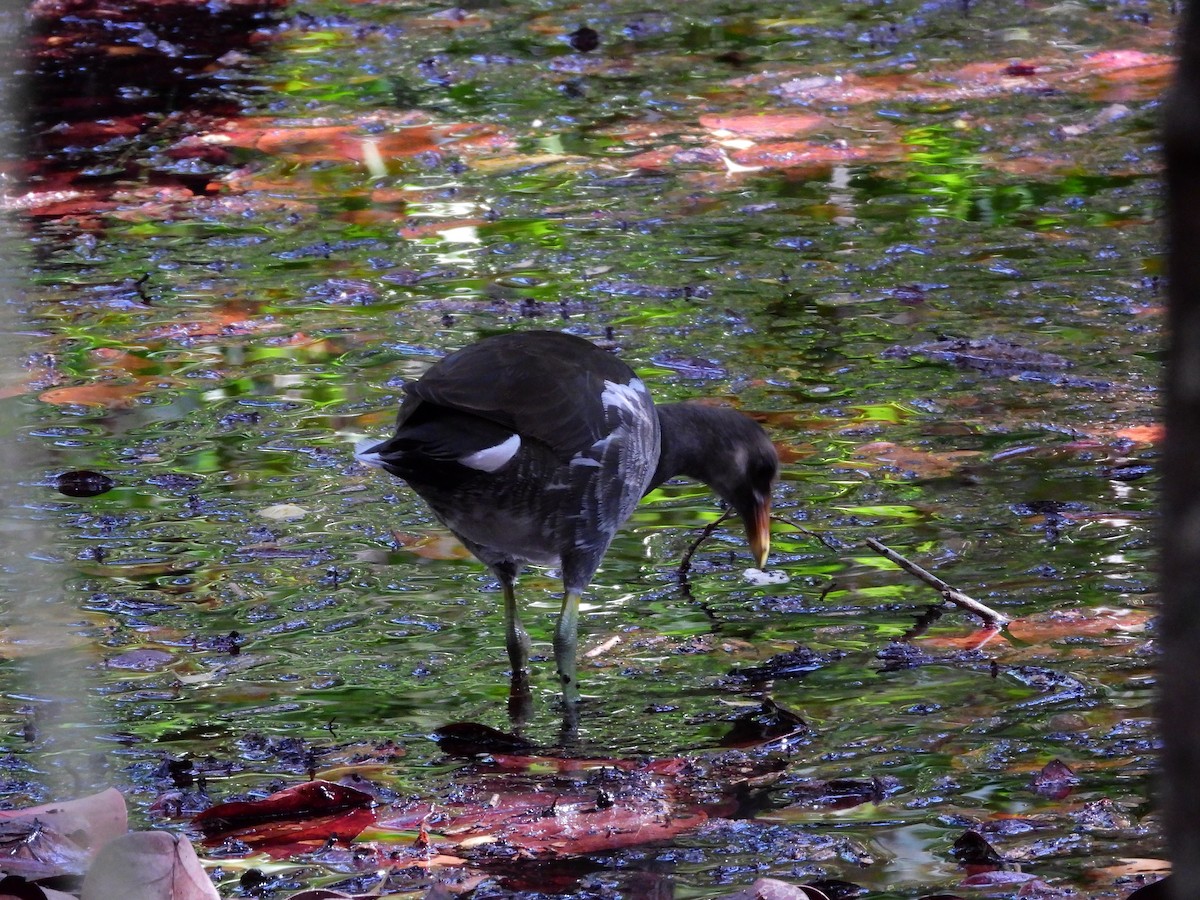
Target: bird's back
x=530, y=446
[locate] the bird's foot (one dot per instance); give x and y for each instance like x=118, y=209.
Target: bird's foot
x=520, y=700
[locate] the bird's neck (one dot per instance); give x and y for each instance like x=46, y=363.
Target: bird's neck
x=691, y=433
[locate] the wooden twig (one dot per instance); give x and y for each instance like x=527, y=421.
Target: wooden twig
x=830, y=543
x=685, y=562
x=949, y=594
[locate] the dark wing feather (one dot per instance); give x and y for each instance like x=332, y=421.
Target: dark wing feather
x=543, y=385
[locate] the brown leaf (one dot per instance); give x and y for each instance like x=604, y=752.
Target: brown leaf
x=92, y=821
x=773, y=889
x=798, y=154
x=913, y=462
x=438, y=545
x=301, y=801
x=35, y=851
x=109, y=394
x=770, y=125
x=1142, y=434
x=148, y=865
x=288, y=838
x=971, y=849
x=1129, y=65
x=1055, y=780
x=1068, y=623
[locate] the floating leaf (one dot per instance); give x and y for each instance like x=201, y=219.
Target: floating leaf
x=1055, y=780
x=297, y=802
x=912, y=462
x=764, y=125
x=60, y=838
x=84, y=483
x=971, y=849
x=283, y=512
x=1061, y=624
x=108, y=394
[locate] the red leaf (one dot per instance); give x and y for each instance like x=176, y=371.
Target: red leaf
x=306, y=800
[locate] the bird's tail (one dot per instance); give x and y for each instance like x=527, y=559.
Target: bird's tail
x=367, y=451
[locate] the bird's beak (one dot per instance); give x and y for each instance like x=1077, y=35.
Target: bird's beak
x=758, y=529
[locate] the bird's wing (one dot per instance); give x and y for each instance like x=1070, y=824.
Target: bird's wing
x=545, y=386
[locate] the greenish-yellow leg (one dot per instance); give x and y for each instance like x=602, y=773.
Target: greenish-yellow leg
x=515, y=637
x=520, y=698
x=566, y=642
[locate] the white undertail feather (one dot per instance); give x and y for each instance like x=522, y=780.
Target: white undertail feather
x=361, y=454
x=490, y=459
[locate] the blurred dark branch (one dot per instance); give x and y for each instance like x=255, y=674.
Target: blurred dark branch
x=1179, y=685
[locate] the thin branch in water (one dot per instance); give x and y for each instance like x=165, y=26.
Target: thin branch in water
x=949, y=594
x=830, y=543
x=685, y=563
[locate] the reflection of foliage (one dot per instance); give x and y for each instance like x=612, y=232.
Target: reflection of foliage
x=947, y=167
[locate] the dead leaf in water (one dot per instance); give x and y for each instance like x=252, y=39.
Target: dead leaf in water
x=440, y=546
x=912, y=462
x=763, y=125
x=1061, y=624
x=801, y=154
x=299, y=800
x=107, y=394
x=60, y=838
x=1055, y=780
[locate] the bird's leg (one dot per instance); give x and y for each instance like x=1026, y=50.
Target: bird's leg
x=520, y=698
x=566, y=642
x=515, y=636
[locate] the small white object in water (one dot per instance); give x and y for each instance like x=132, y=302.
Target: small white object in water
x=283, y=512
x=759, y=577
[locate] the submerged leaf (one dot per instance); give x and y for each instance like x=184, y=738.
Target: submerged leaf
x=297, y=802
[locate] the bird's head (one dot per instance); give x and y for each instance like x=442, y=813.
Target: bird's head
x=730, y=453
x=744, y=481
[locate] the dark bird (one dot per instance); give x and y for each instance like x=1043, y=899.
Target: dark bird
x=535, y=447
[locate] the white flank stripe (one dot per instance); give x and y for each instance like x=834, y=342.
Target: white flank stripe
x=624, y=396
x=361, y=454
x=490, y=459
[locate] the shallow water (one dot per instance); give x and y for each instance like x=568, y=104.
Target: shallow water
x=218, y=356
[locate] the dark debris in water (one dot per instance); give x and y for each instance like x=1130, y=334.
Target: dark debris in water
x=768, y=725
x=1052, y=686
x=692, y=367
x=794, y=663
x=844, y=793
x=1055, y=780
x=84, y=483
x=972, y=849
x=991, y=356
x=468, y=739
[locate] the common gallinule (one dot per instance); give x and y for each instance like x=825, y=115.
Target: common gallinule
x=535, y=447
